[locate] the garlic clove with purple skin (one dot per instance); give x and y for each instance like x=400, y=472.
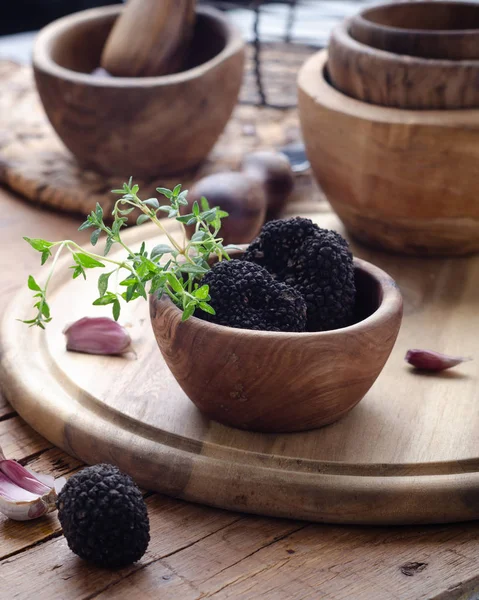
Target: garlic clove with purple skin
x=24, y=494
x=97, y=335
x=428, y=360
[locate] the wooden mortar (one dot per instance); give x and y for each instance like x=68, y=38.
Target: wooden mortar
x=144, y=127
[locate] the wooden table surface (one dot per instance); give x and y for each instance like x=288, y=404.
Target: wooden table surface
x=199, y=552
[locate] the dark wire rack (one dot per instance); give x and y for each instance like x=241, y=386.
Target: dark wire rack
x=281, y=35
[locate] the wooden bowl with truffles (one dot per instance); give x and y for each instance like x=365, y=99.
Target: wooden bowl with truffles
x=300, y=333
x=149, y=126
x=286, y=334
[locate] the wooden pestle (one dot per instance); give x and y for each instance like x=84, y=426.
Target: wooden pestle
x=149, y=38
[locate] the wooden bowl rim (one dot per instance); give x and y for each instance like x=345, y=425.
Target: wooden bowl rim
x=342, y=33
x=390, y=303
x=362, y=17
x=312, y=81
x=42, y=59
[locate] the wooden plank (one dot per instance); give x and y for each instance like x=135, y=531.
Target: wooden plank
x=5, y=408
x=341, y=564
x=204, y=566
x=18, y=440
x=59, y=574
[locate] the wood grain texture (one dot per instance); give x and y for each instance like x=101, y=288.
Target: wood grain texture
x=401, y=180
x=444, y=30
x=398, y=81
x=150, y=126
x=150, y=38
x=34, y=162
x=408, y=468
x=220, y=560
x=282, y=382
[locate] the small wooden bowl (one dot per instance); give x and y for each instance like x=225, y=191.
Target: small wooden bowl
x=144, y=126
x=402, y=180
x=281, y=382
x=444, y=30
x=388, y=79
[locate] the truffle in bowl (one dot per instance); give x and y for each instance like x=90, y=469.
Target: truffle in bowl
x=147, y=126
x=279, y=380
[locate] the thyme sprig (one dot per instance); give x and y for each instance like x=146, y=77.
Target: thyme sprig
x=174, y=268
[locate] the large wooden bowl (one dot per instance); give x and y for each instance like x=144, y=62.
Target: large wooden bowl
x=448, y=30
x=399, y=81
x=280, y=382
x=145, y=127
x=402, y=180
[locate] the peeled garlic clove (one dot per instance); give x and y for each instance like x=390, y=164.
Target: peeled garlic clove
x=428, y=360
x=97, y=335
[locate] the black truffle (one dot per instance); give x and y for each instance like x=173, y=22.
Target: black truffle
x=246, y=296
x=317, y=262
x=104, y=516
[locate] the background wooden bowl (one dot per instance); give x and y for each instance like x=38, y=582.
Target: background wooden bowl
x=280, y=382
x=447, y=30
x=394, y=80
x=146, y=127
x=402, y=180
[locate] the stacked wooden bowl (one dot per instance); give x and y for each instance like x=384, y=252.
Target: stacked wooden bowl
x=390, y=118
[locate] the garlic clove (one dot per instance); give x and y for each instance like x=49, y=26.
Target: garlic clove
x=428, y=360
x=21, y=505
x=23, y=478
x=24, y=494
x=97, y=335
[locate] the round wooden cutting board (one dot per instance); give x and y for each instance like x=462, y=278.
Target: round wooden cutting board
x=408, y=453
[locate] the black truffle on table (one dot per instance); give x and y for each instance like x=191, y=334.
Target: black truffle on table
x=104, y=517
x=245, y=296
x=317, y=262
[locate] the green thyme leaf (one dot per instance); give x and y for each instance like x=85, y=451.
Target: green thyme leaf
x=202, y=292
x=207, y=308
x=142, y=219
x=164, y=192
x=103, y=283
x=94, y=237
x=116, y=309
x=38, y=244
x=33, y=285
x=108, y=298
x=174, y=282
x=153, y=202
x=188, y=311
x=88, y=262
x=160, y=250
x=108, y=245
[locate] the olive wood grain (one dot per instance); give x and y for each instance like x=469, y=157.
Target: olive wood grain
x=401, y=180
x=394, y=459
x=149, y=38
x=144, y=126
x=444, y=30
x=399, y=81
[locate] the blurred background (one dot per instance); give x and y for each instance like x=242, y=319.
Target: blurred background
x=300, y=21
x=281, y=35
